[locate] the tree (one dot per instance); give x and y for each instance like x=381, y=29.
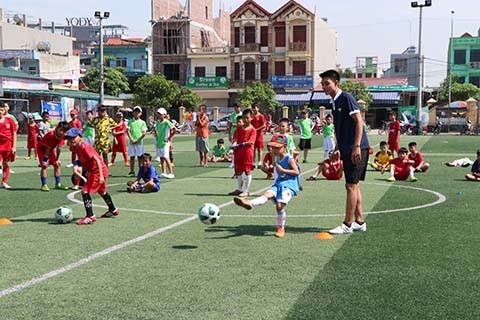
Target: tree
x=358, y=90
x=115, y=81
x=259, y=92
x=460, y=91
x=346, y=73
x=156, y=91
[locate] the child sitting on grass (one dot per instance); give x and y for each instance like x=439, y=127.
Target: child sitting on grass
x=401, y=168
x=474, y=175
x=147, y=172
x=219, y=152
x=285, y=186
x=330, y=168
x=382, y=158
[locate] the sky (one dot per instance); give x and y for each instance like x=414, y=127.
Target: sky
x=364, y=28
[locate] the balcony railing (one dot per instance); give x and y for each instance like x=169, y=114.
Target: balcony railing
x=297, y=46
x=244, y=83
x=208, y=50
x=250, y=47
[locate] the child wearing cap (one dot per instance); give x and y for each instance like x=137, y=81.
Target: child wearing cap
x=96, y=179
x=136, y=131
x=119, y=140
x=330, y=168
x=285, y=186
x=163, y=130
x=32, y=131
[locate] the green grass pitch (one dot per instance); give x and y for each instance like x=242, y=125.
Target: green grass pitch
x=418, y=259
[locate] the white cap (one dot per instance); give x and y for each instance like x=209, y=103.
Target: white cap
x=162, y=111
x=137, y=108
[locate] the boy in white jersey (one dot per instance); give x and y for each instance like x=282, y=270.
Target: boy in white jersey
x=285, y=186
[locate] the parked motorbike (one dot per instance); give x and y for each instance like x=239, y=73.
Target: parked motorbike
x=438, y=127
x=466, y=128
x=406, y=128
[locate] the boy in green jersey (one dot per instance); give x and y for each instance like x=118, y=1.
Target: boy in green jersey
x=89, y=132
x=163, y=129
x=306, y=125
x=136, y=131
x=219, y=152
x=328, y=131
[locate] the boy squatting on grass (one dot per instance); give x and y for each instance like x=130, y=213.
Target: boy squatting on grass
x=401, y=168
x=285, y=186
x=475, y=172
x=96, y=180
x=147, y=172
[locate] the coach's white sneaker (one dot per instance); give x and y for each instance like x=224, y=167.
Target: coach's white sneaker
x=359, y=227
x=341, y=229
x=169, y=176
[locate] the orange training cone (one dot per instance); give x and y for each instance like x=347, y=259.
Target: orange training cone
x=5, y=221
x=323, y=236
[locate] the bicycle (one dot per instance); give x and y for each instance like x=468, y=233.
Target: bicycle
x=384, y=128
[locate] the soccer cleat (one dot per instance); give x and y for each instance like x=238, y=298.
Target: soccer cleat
x=341, y=229
x=75, y=187
x=269, y=176
x=5, y=186
x=359, y=227
x=60, y=186
x=45, y=188
x=311, y=178
x=305, y=161
x=169, y=176
x=28, y=158
x=235, y=193
x=280, y=232
x=131, y=174
x=243, y=203
x=412, y=179
x=244, y=194
x=391, y=179
x=110, y=214
x=87, y=220
x=69, y=165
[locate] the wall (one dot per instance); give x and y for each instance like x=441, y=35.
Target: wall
x=19, y=37
x=210, y=64
x=60, y=68
x=325, y=56
x=165, y=8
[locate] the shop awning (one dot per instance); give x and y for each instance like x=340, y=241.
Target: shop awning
x=76, y=94
x=319, y=98
x=293, y=99
x=385, y=97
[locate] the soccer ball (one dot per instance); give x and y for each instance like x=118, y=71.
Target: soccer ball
x=64, y=214
x=209, y=213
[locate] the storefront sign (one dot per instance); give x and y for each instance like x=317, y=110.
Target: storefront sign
x=81, y=22
x=292, y=81
x=24, y=84
x=207, y=82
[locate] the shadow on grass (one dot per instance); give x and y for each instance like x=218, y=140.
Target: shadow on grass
x=258, y=230
x=23, y=189
x=206, y=194
x=184, y=247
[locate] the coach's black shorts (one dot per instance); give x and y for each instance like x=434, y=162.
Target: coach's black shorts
x=355, y=172
x=305, y=144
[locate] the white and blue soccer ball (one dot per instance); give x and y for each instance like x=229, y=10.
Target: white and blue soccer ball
x=209, y=213
x=64, y=214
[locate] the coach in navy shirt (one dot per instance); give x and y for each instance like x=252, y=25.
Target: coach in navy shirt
x=352, y=144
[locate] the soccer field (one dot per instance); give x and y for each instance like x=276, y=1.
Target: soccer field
x=418, y=259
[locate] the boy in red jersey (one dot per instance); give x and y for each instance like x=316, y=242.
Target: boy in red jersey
x=32, y=131
x=330, y=168
x=8, y=144
x=393, y=133
x=259, y=123
x=49, y=154
x=416, y=156
x=119, y=140
x=97, y=173
x=74, y=123
x=243, y=145
x=401, y=168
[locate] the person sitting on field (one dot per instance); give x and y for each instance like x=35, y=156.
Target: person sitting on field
x=463, y=162
x=474, y=175
x=401, y=168
x=219, y=152
x=147, y=172
x=382, y=158
x=419, y=164
x=331, y=168
x=268, y=165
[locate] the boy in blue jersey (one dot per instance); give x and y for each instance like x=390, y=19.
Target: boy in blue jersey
x=285, y=186
x=147, y=172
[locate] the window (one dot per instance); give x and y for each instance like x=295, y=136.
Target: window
x=171, y=41
x=461, y=80
x=264, y=36
x=368, y=75
x=220, y=71
x=249, y=70
x=475, y=55
x=475, y=80
x=400, y=65
x=138, y=64
x=299, y=34
x=171, y=71
x=199, y=71
x=32, y=70
x=249, y=34
x=280, y=36
x=263, y=70
x=121, y=62
x=236, y=71
x=460, y=57
x=206, y=12
x=236, y=37
x=299, y=68
x=280, y=68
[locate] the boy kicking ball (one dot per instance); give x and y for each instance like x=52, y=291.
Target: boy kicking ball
x=97, y=173
x=285, y=186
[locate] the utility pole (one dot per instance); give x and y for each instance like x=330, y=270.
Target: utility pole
x=99, y=17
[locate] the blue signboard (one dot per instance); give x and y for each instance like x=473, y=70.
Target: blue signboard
x=54, y=109
x=292, y=81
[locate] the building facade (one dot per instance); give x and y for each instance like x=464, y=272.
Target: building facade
x=405, y=64
x=367, y=67
x=464, y=58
